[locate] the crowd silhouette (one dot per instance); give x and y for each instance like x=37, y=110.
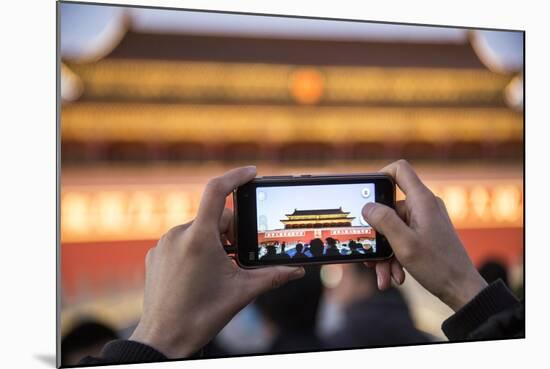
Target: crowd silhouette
x=315, y=248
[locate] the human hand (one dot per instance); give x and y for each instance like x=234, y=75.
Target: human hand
x=424, y=242
x=192, y=288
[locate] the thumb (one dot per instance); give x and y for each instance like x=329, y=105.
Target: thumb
x=268, y=278
x=386, y=221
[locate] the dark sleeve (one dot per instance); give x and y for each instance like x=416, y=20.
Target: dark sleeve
x=495, y=313
x=124, y=351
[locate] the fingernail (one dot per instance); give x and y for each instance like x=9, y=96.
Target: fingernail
x=367, y=209
x=379, y=281
x=297, y=273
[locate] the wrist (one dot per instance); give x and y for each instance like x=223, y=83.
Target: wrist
x=463, y=290
x=163, y=340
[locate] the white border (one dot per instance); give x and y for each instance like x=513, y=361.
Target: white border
x=28, y=181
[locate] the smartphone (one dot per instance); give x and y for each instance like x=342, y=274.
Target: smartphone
x=308, y=219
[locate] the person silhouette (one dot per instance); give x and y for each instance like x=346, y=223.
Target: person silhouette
x=271, y=253
x=292, y=310
x=279, y=256
x=356, y=248
x=316, y=247
x=299, y=252
x=332, y=250
x=370, y=317
x=493, y=270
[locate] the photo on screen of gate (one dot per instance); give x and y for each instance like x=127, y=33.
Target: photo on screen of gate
x=302, y=222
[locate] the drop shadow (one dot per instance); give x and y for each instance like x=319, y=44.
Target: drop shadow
x=47, y=359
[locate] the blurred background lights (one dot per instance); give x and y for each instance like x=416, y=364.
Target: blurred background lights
x=514, y=93
x=75, y=212
x=479, y=202
x=143, y=212
x=506, y=203
x=455, y=199
x=111, y=207
x=306, y=86
x=71, y=85
x=178, y=208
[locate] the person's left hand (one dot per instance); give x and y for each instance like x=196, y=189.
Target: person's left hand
x=192, y=288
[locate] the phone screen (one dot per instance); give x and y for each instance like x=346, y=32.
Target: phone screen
x=313, y=222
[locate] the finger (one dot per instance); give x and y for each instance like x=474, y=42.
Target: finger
x=226, y=225
x=401, y=210
x=149, y=257
x=267, y=278
x=406, y=178
x=397, y=273
x=386, y=221
x=383, y=275
x=217, y=189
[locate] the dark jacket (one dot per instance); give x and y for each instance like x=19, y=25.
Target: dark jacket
x=495, y=313
x=125, y=351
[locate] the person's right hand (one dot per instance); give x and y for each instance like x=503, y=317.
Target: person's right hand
x=424, y=241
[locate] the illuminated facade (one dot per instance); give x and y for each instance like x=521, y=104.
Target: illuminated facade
x=161, y=96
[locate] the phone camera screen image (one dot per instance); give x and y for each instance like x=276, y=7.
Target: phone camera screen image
x=314, y=222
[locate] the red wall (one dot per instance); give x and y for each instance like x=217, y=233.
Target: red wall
x=101, y=266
